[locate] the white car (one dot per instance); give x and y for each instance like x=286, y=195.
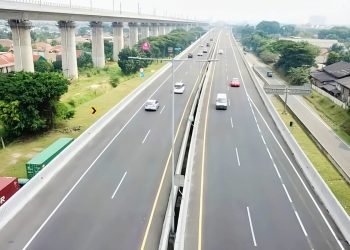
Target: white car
x=220, y=51
x=200, y=54
x=152, y=105
x=179, y=88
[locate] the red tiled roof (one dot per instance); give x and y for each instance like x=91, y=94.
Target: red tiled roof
x=6, y=59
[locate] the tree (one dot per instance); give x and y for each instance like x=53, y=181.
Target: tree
x=338, y=48
x=268, y=56
x=333, y=57
x=108, y=50
x=126, y=65
x=57, y=66
x=28, y=101
x=288, y=30
x=269, y=27
x=298, y=76
x=3, y=49
x=43, y=66
x=83, y=31
x=295, y=54
x=84, y=61
x=54, y=43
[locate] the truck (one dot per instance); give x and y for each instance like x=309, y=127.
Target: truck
x=8, y=187
x=42, y=159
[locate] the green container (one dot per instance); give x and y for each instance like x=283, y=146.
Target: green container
x=42, y=159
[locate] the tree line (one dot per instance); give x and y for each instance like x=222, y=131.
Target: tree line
x=291, y=58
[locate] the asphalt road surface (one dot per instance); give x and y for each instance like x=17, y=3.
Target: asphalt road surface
x=112, y=194
x=247, y=191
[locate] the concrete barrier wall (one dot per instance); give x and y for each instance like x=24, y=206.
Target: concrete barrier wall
x=321, y=189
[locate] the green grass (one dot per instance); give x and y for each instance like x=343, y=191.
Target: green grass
x=21, y=150
x=336, y=117
x=339, y=187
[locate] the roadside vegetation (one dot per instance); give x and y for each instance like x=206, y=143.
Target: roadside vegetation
x=334, y=180
x=336, y=117
x=38, y=108
x=291, y=59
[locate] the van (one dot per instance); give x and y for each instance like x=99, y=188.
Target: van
x=221, y=101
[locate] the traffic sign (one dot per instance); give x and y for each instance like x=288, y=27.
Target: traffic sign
x=170, y=49
x=142, y=74
x=300, y=90
x=177, y=49
x=141, y=70
x=146, y=46
x=93, y=110
x=275, y=89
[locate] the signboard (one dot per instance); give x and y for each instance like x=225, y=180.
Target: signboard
x=146, y=46
x=275, y=89
x=300, y=90
x=170, y=49
x=177, y=49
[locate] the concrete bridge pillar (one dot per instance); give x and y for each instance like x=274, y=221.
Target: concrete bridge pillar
x=98, y=51
x=154, y=29
x=118, y=39
x=161, y=29
x=69, y=53
x=133, y=34
x=144, y=30
x=22, y=45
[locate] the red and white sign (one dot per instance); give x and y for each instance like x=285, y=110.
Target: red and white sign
x=146, y=46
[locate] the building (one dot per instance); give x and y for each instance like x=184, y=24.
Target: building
x=334, y=79
x=7, y=62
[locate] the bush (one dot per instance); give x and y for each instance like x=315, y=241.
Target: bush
x=114, y=80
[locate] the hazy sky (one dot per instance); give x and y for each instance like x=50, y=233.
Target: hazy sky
x=285, y=11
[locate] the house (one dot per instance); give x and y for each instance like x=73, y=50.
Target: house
x=7, y=62
x=334, y=79
x=39, y=58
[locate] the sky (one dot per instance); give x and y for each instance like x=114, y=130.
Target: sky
x=335, y=12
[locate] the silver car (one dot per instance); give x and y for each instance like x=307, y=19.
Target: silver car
x=152, y=105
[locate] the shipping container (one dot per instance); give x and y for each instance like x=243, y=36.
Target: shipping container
x=8, y=187
x=42, y=159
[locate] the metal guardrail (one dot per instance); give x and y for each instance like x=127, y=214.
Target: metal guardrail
x=336, y=211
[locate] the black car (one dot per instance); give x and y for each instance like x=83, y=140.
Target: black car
x=208, y=44
x=190, y=55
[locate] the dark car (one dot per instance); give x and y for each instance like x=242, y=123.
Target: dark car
x=269, y=73
x=190, y=55
x=208, y=44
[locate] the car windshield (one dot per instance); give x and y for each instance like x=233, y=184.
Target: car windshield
x=221, y=100
x=149, y=103
x=178, y=86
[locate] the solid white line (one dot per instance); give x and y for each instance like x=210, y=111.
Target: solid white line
x=268, y=151
x=162, y=109
x=227, y=78
x=91, y=165
x=231, y=122
x=301, y=224
x=239, y=163
x=228, y=88
x=262, y=137
x=285, y=189
x=144, y=139
x=251, y=227
x=299, y=177
x=229, y=102
x=116, y=190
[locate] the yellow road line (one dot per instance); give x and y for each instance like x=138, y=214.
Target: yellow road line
x=203, y=161
x=164, y=172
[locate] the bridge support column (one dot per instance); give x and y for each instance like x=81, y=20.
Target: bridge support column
x=154, y=29
x=118, y=39
x=98, y=51
x=161, y=29
x=22, y=45
x=69, y=54
x=133, y=34
x=144, y=30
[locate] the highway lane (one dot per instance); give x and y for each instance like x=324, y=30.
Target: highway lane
x=245, y=192
x=104, y=197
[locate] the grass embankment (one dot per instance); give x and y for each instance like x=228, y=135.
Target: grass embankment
x=339, y=187
x=92, y=89
x=336, y=117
